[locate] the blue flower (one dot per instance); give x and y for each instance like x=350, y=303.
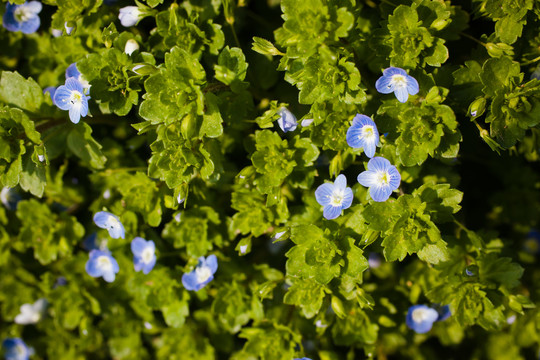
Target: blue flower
x=532, y=242
x=374, y=260
x=106, y=220
x=420, y=318
x=51, y=90
x=90, y=242
x=15, y=349
x=304, y=358
x=22, y=17
x=101, y=263
x=286, y=121
x=129, y=15
x=443, y=311
x=9, y=198
x=71, y=97
x=144, y=254
x=73, y=71
x=381, y=177
x=397, y=81
x=363, y=133
x=202, y=275
x=536, y=73
x=334, y=197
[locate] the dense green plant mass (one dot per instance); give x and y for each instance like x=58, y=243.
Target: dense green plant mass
x=190, y=139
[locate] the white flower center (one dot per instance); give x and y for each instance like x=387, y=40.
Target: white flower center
x=383, y=178
x=112, y=222
x=337, y=198
x=420, y=315
x=399, y=81
x=22, y=14
x=104, y=263
x=75, y=98
x=203, y=273
x=367, y=133
x=147, y=255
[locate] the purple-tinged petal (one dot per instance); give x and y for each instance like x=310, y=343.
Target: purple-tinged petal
x=368, y=178
x=340, y=183
x=380, y=193
x=331, y=212
x=323, y=194
x=401, y=93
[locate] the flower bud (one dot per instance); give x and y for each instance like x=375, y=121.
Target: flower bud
x=131, y=46
x=477, y=107
x=129, y=15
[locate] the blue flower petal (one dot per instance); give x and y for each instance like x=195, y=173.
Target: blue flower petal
x=323, y=194
x=401, y=93
x=30, y=26
x=347, y=199
x=395, y=177
x=75, y=114
x=444, y=313
x=74, y=85
x=72, y=71
x=9, y=21
x=15, y=349
x=148, y=267
x=370, y=147
x=384, y=85
x=391, y=71
x=354, y=137
x=287, y=121
x=412, y=85
x=106, y=220
x=33, y=6
x=211, y=262
x=91, y=265
x=367, y=178
x=340, y=183
x=138, y=245
x=331, y=212
x=361, y=120
x=424, y=324
x=380, y=193
x=62, y=97
x=189, y=281
x=378, y=164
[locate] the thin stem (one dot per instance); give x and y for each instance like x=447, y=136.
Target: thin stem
x=531, y=61
x=473, y=39
x=388, y=2
x=234, y=35
x=138, y=168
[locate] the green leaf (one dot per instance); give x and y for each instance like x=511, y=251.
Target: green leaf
x=497, y=74
x=307, y=294
x=175, y=313
x=231, y=68
x=265, y=47
x=19, y=92
x=212, y=120
x=81, y=143
x=33, y=177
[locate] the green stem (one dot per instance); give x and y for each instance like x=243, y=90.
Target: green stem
x=234, y=35
x=110, y=171
x=531, y=61
x=473, y=39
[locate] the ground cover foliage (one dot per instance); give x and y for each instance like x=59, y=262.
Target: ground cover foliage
x=183, y=142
